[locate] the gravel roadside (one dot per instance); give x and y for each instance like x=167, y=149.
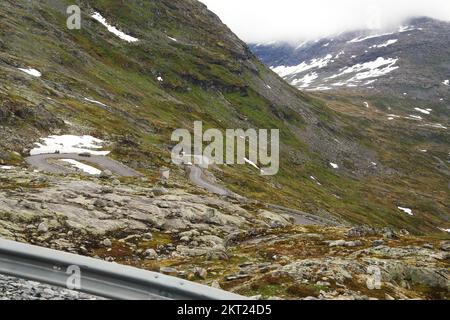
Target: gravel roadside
x=19, y=289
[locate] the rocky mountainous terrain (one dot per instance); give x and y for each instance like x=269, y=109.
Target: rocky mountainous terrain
x=351, y=192
x=409, y=63
x=232, y=243
x=393, y=83
x=410, y=58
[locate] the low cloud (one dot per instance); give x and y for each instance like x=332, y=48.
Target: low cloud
x=296, y=20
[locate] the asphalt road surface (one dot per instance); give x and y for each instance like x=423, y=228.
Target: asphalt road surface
x=300, y=218
x=40, y=162
x=196, y=176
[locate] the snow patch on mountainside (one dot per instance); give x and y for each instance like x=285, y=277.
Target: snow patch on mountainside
x=315, y=180
x=361, y=39
x=96, y=102
x=401, y=29
x=407, y=29
x=31, y=72
x=424, y=111
x=306, y=81
x=367, y=70
x=284, y=71
x=69, y=144
x=97, y=16
x=320, y=88
x=435, y=126
x=406, y=210
x=301, y=45
x=386, y=44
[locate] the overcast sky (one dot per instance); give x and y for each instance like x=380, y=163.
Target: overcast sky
x=295, y=20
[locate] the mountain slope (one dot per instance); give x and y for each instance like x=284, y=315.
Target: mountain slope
x=417, y=43
x=187, y=66
x=392, y=84
x=409, y=63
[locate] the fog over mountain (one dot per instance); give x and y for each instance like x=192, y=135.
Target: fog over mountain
x=286, y=20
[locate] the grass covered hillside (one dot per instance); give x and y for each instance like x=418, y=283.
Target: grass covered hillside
x=188, y=66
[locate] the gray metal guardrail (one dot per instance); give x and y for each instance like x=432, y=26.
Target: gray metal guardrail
x=100, y=278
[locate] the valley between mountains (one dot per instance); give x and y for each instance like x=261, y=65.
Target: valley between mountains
x=86, y=118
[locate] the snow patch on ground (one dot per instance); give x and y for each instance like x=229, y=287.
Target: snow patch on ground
x=411, y=117
x=320, y=89
x=83, y=167
x=306, y=80
x=435, y=125
x=361, y=39
x=386, y=44
x=446, y=83
x=301, y=45
x=284, y=71
x=315, y=180
x=6, y=167
x=97, y=16
x=402, y=29
x=334, y=165
x=96, y=102
x=69, y=144
x=31, y=72
x=339, y=54
x=406, y=210
x=367, y=70
x=424, y=111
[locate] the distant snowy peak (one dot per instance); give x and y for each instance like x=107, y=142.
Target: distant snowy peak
x=305, y=75
x=401, y=29
x=343, y=61
x=364, y=59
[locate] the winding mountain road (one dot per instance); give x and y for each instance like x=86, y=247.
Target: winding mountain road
x=41, y=162
x=300, y=218
x=196, y=177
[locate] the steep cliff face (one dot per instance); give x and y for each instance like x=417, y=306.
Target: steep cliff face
x=186, y=66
